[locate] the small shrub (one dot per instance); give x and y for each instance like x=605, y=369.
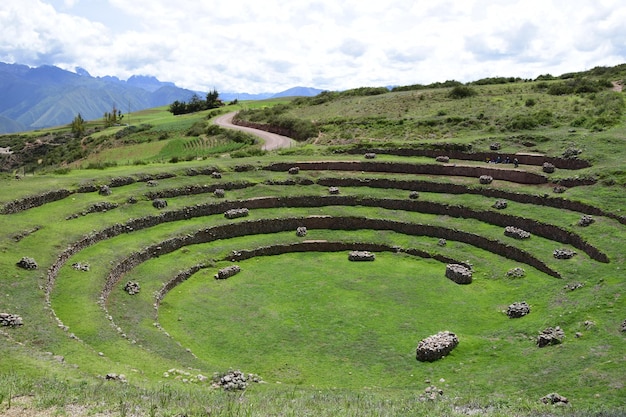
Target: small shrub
x=461, y=91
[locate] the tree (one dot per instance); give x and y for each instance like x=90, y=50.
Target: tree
x=78, y=126
x=113, y=118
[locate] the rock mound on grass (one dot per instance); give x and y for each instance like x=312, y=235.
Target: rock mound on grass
x=228, y=272
x=563, y=253
x=623, y=326
x=234, y=380
x=358, y=255
x=301, y=231
x=216, y=175
x=585, y=220
x=104, y=190
x=500, y=204
x=27, y=263
x=370, y=155
x=132, y=287
x=548, y=168
x=554, y=398
x=516, y=272
x=413, y=195
x=442, y=158
x=294, y=170
x=516, y=233
x=219, y=193
x=550, y=336
x=436, y=346
x=10, y=320
x=159, y=203
x=459, y=273
x=485, y=179
x=333, y=190
x=237, y=212
x=517, y=310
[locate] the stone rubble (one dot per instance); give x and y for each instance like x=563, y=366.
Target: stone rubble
x=573, y=286
x=548, y=168
x=79, y=266
x=623, y=326
x=357, y=255
x=554, y=398
x=159, y=203
x=301, y=231
x=414, y=195
x=370, y=155
x=516, y=233
x=550, y=336
x=517, y=310
x=436, y=346
x=586, y=220
x=442, y=242
x=27, y=263
x=235, y=213
x=485, y=179
x=431, y=393
x=495, y=146
x=294, y=170
x=500, y=204
x=215, y=174
x=219, y=193
x=333, y=190
x=459, y=273
x=10, y=320
x=442, y=158
x=234, y=380
x=516, y=272
x=132, y=287
x=563, y=253
x=228, y=272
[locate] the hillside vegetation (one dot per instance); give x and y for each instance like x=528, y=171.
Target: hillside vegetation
x=111, y=241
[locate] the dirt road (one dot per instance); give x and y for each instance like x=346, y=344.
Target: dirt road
x=271, y=140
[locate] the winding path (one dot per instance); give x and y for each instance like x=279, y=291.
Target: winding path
x=272, y=140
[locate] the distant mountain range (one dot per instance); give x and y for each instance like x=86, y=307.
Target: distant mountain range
x=34, y=98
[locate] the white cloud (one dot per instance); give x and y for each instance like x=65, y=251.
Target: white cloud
x=271, y=45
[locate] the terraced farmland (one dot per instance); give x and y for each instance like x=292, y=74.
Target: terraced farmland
x=299, y=313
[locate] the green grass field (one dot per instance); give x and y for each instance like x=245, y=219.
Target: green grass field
x=327, y=336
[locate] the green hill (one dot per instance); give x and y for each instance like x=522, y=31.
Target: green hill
x=111, y=240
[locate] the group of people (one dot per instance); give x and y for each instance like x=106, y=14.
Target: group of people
x=507, y=160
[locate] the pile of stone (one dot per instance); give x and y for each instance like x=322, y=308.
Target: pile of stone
x=573, y=286
x=559, y=189
x=152, y=183
x=159, y=203
x=10, y=320
x=563, y=253
x=235, y=213
x=104, y=190
x=234, y=380
x=548, y=167
x=442, y=158
x=227, y=272
x=500, y=204
x=370, y=155
x=495, y=146
x=27, y=263
x=550, y=336
x=623, y=327
x=301, y=231
x=516, y=272
x=121, y=181
x=333, y=190
x=219, y=193
x=132, y=200
x=79, y=266
x=414, y=195
x=361, y=255
x=436, y=346
x=294, y=170
x=517, y=310
x=555, y=399
x=516, y=233
x=431, y=393
x=101, y=207
x=132, y=287
x=115, y=377
x=442, y=242
x=585, y=220
x=485, y=179
x=459, y=273
x=216, y=175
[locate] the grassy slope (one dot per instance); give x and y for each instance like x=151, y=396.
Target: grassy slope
x=356, y=361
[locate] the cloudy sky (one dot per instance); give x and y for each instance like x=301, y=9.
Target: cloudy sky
x=271, y=45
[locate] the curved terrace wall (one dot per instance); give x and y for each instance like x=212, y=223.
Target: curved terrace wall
x=520, y=177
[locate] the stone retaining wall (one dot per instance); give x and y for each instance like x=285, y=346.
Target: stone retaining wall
x=518, y=176
x=525, y=159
